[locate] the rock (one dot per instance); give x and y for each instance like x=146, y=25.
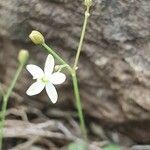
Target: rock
x=114, y=70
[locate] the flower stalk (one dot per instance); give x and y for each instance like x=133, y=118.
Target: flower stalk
x=87, y=14
x=51, y=51
x=22, y=60
x=79, y=106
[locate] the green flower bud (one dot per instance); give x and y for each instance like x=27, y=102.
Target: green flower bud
x=23, y=56
x=36, y=37
x=88, y=3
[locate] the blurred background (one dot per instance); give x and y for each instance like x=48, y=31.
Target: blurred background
x=114, y=73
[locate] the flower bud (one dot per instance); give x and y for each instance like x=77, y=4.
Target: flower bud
x=37, y=37
x=57, y=67
x=23, y=56
x=88, y=3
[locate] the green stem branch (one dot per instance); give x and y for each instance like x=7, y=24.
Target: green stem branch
x=79, y=105
x=81, y=38
x=74, y=76
x=5, y=102
x=51, y=51
x=54, y=53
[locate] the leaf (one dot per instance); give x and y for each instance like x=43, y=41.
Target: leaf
x=112, y=147
x=79, y=145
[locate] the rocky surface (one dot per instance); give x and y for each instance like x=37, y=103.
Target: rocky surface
x=114, y=70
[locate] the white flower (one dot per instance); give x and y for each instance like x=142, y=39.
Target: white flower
x=45, y=79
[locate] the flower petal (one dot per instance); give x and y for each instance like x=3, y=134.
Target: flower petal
x=49, y=65
x=35, y=88
x=51, y=92
x=36, y=71
x=57, y=78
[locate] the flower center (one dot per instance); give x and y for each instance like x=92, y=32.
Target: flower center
x=44, y=79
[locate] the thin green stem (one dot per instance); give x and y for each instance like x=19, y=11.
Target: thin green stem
x=5, y=102
x=82, y=37
x=79, y=106
x=51, y=51
x=54, y=54
x=74, y=76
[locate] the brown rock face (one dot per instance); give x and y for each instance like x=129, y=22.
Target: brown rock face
x=114, y=70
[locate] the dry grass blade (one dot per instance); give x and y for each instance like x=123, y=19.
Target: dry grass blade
x=23, y=129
